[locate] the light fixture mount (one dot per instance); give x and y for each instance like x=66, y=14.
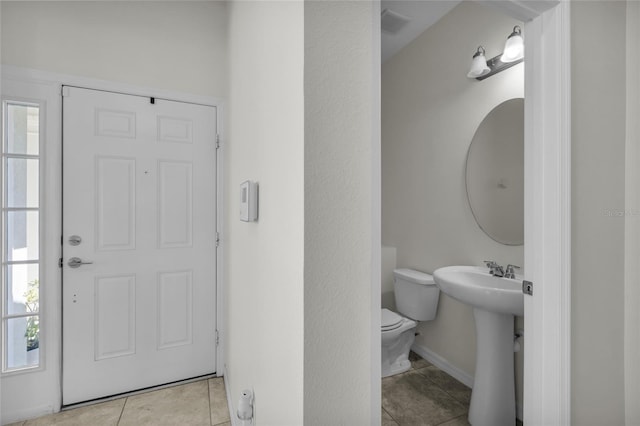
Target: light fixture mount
x=496, y=65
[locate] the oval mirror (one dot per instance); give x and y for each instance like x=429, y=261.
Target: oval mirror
x=495, y=173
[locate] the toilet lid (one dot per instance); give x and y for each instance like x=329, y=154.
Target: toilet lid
x=390, y=320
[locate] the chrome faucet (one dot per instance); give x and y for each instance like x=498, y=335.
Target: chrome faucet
x=510, y=271
x=494, y=269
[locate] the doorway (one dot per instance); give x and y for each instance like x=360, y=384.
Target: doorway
x=547, y=211
x=138, y=242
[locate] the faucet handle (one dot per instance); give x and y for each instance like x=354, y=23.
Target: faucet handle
x=493, y=266
x=510, y=271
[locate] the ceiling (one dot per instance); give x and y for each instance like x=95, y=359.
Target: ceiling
x=422, y=14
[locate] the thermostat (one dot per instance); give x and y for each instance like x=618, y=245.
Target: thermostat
x=248, y=201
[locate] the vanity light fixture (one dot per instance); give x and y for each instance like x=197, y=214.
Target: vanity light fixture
x=479, y=64
x=514, y=47
x=482, y=68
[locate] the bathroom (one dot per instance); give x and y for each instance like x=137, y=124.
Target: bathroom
x=430, y=113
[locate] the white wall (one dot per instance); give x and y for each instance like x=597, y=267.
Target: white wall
x=430, y=112
x=386, y=283
x=176, y=45
x=598, y=186
x=309, y=144
x=341, y=351
x=632, y=222
x=264, y=260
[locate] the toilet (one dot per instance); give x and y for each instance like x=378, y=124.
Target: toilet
x=416, y=296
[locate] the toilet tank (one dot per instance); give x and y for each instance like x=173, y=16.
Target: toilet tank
x=416, y=294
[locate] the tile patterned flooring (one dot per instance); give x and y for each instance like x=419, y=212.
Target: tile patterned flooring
x=424, y=396
x=201, y=403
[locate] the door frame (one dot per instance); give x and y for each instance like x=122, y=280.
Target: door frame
x=547, y=349
x=49, y=85
x=632, y=228
x=547, y=373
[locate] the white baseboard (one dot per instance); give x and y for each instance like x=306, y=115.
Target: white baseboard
x=232, y=410
x=31, y=413
x=443, y=364
x=235, y=421
x=455, y=372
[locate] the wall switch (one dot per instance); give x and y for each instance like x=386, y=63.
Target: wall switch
x=248, y=201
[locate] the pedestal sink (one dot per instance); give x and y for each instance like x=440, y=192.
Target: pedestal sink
x=495, y=302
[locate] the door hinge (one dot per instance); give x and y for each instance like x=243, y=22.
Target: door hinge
x=60, y=264
x=217, y=338
x=527, y=287
x=217, y=141
x=217, y=239
x=64, y=91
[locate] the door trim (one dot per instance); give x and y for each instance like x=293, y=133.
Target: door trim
x=632, y=228
x=547, y=376
x=50, y=85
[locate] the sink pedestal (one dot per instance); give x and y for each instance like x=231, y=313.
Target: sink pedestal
x=493, y=398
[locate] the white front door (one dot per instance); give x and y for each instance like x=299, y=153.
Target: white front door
x=139, y=210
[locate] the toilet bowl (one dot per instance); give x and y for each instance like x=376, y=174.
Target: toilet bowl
x=398, y=334
x=417, y=300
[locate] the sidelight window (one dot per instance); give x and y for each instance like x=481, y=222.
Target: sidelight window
x=21, y=218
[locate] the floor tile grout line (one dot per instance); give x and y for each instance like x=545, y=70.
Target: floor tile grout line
x=209, y=401
x=122, y=411
x=453, y=418
x=464, y=403
x=416, y=370
x=392, y=418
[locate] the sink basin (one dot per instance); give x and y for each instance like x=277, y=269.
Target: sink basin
x=474, y=286
x=495, y=302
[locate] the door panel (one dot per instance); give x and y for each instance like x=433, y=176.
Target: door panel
x=139, y=190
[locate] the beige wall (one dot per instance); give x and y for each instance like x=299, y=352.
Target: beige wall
x=598, y=186
x=264, y=260
x=430, y=112
x=177, y=45
x=340, y=116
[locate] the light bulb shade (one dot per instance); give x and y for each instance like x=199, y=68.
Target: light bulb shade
x=478, y=65
x=514, y=47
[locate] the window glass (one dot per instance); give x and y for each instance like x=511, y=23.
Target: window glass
x=23, y=129
x=22, y=182
x=23, y=342
x=23, y=236
x=23, y=292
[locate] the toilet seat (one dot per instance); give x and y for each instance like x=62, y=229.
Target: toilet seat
x=390, y=320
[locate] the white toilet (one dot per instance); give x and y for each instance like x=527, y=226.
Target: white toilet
x=417, y=299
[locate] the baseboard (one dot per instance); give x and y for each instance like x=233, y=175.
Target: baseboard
x=232, y=411
x=443, y=364
x=455, y=372
x=31, y=413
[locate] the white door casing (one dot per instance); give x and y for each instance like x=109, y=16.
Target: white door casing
x=139, y=181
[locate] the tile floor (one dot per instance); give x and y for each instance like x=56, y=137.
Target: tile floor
x=201, y=403
x=424, y=396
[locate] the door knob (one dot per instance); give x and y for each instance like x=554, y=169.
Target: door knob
x=76, y=262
